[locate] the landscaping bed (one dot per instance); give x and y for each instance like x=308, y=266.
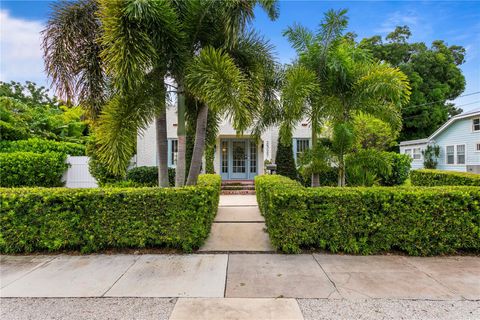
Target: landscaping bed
x=415, y=220
x=90, y=220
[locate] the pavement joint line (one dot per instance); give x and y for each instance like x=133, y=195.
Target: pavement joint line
x=121, y=276
x=226, y=277
x=237, y=205
x=26, y=274
x=326, y=274
x=434, y=279
x=238, y=221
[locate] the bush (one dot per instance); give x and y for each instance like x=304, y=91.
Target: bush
x=148, y=176
x=418, y=221
x=432, y=177
x=96, y=219
x=97, y=168
x=400, y=169
x=41, y=146
x=285, y=161
x=28, y=169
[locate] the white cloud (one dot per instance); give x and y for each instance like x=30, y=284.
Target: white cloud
x=20, y=49
x=420, y=27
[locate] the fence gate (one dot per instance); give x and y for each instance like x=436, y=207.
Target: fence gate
x=77, y=174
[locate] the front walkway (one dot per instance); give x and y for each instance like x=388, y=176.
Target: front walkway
x=238, y=227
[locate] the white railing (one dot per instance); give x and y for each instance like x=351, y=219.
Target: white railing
x=77, y=174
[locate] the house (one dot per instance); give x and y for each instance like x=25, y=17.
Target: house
x=236, y=157
x=459, y=142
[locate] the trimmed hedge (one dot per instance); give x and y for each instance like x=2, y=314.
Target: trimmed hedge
x=28, y=169
x=95, y=219
x=148, y=176
x=418, y=221
x=433, y=177
x=42, y=146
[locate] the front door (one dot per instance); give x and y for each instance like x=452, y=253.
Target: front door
x=238, y=159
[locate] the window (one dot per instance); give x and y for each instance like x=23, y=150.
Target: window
x=300, y=146
x=477, y=148
x=417, y=153
x=450, y=154
x=460, y=154
x=224, y=157
x=172, y=152
x=408, y=152
x=476, y=124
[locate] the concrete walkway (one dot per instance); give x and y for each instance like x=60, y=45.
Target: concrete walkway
x=243, y=286
x=238, y=227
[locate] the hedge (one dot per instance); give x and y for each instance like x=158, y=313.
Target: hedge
x=41, y=146
x=149, y=175
x=418, y=221
x=90, y=220
x=28, y=169
x=433, y=177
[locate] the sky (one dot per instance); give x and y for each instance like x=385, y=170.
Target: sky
x=455, y=22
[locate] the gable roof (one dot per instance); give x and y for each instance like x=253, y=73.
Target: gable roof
x=469, y=114
x=464, y=115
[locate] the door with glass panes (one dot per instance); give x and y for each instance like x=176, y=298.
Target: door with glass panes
x=238, y=159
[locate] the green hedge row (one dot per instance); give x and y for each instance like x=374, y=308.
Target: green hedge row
x=149, y=176
x=95, y=219
x=418, y=221
x=41, y=146
x=28, y=169
x=433, y=177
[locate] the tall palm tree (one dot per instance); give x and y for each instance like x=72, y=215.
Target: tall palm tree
x=333, y=80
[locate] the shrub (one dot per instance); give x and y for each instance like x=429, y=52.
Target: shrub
x=430, y=156
x=148, y=176
x=28, y=169
x=400, y=169
x=284, y=161
x=418, y=221
x=97, y=168
x=41, y=146
x=95, y=219
x=432, y=177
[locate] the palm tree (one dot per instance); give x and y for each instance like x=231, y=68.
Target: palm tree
x=72, y=55
x=334, y=80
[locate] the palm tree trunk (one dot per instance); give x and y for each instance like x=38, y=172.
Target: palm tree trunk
x=315, y=176
x=162, y=147
x=198, y=149
x=341, y=172
x=182, y=141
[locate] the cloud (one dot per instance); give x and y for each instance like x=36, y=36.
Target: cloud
x=419, y=26
x=20, y=49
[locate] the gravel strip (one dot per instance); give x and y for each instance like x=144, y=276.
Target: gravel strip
x=86, y=308
x=389, y=309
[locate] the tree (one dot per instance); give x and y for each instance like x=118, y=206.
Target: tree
x=285, y=161
x=349, y=83
x=372, y=133
x=434, y=74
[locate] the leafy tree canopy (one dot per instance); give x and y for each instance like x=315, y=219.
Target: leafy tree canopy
x=27, y=111
x=434, y=74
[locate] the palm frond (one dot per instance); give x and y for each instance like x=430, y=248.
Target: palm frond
x=299, y=37
x=215, y=79
x=71, y=53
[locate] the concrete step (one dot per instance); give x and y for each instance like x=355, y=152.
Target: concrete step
x=238, y=192
x=238, y=187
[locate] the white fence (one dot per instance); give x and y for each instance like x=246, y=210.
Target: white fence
x=77, y=174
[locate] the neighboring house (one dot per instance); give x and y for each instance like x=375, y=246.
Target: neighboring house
x=459, y=142
x=236, y=157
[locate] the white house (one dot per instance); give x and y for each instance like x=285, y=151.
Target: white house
x=236, y=157
x=459, y=142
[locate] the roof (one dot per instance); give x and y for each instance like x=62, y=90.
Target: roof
x=411, y=142
x=464, y=115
